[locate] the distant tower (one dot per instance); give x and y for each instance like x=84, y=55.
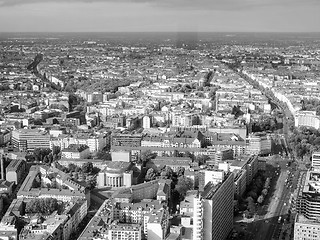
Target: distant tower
x=146, y=122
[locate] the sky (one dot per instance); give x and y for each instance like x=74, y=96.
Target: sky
x=159, y=15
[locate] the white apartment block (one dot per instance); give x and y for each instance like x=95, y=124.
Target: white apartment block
x=307, y=118
x=95, y=144
x=316, y=161
x=182, y=120
x=258, y=144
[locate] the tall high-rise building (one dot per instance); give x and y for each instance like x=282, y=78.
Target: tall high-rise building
x=307, y=224
x=213, y=210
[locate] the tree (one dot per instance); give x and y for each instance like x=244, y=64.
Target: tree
x=190, y=155
x=74, y=100
x=72, y=167
x=146, y=156
x=253, y=194
x=40, y=153
x=37, y=182
x=267, y=183
x=37, y=122
x=236, y=111
x=150, y=175
x=251, y=207
x=167, y=172
x=202, y=159
x=264, y=192
x=184, y=184
x=104, y=156
x=56, y=150
x=46, y=159
x=92, y=183
x=87, y=167
x=30, y=158
x=260, y=199
x=180, y=171
x=42, y=205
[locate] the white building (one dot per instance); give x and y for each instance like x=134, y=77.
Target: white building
x=95, y=143
x=76, y=152
x=214, y=176
x=305, y=229
x=307, y=118
x=258, y=144
x=146, y=122
x=316, y=161
x=213, y=210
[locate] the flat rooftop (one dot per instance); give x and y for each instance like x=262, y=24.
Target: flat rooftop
x=302, y=219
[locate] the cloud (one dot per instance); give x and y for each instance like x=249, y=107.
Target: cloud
x=209, y=5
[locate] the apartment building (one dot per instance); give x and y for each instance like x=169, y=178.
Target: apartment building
x=148, y=219
x=95, y=143
x=307, y=118
x=258, y=144
x=316, y=161
x=124, y=231
x=173, y=162
x=183, y=120
x=126, y=140
x=75, y=151
x=67, y=190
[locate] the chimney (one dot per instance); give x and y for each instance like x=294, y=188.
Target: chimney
x=2, y=167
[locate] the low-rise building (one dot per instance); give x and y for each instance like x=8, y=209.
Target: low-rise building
x=98, y=163
x=6, y=187
x=61, y=185
x=76, y=151
x=173, y=162
x=142, y=220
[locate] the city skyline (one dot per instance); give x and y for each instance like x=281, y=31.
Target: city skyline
x=159, y=16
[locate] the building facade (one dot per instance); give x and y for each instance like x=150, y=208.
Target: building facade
x=29, y=139
x=307, y=118
x=15, y=170
x=213, y=210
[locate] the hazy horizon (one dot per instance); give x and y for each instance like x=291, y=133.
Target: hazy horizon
x=159, y=16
